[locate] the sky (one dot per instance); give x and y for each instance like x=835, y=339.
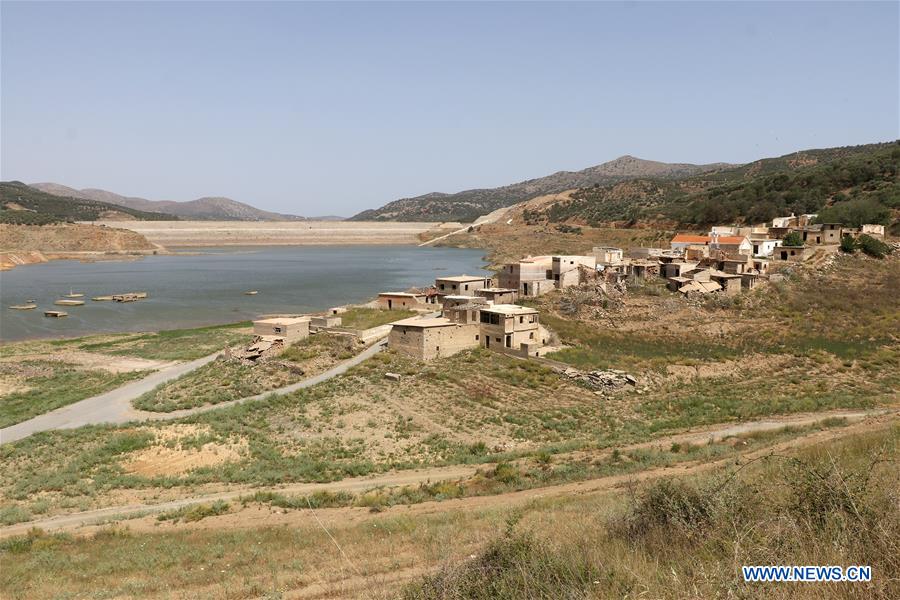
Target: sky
x=331, y=108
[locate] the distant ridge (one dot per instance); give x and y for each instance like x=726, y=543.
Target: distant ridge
x=201, y=209
x=468, y=205
x=24, y=205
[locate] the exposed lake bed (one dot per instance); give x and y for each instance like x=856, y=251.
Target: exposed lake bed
x=205, y=286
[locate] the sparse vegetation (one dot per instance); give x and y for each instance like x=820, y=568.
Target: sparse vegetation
x=366, y=318
x=225, y=380
x=41, y=386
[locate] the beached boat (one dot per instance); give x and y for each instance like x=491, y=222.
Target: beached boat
x=65, y=302
x=251, y=293
x=102, y=298
x=23, y=306
x=56, y=314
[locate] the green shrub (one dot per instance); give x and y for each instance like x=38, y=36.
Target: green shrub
x=873, y=247
x=793, y=239
x=848, y=244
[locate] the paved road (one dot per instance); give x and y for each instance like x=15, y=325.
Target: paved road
x=115, y=406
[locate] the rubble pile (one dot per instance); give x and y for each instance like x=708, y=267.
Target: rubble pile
x=260, y=348
x=597, y=298
x=609, y=379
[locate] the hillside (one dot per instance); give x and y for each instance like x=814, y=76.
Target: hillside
x=468, y=205
x=26, y=205
x=851, y=185
x=201, y=209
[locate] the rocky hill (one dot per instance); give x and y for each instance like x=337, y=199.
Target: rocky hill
x=201, y=209
x=23, y=204
x=466, y=206
x=853, y=185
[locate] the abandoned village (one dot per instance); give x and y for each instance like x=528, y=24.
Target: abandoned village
x=467, y=311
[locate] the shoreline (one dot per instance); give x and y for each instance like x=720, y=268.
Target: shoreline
x=212, y=323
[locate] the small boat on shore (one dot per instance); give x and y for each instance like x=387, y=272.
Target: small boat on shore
x=56, y=314
x=29, y=306
x=251, y=292
x=66, y=302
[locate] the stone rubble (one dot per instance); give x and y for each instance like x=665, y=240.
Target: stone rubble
x=609, y=379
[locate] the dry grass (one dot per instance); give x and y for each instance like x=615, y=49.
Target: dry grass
x=675, y=543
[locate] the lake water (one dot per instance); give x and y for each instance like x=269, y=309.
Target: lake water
x=208, y=288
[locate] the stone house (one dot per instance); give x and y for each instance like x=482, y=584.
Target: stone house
x=289, y=329
x=427, y=338
x=401, y=301
x=793, y=253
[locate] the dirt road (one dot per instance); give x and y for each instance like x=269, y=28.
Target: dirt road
x=491, y=217
x=861, y=419
x=115, y=406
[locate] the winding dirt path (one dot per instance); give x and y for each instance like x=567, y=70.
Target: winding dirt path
x=248, y=518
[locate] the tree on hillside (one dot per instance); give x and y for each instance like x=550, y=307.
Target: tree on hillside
x=793, y=239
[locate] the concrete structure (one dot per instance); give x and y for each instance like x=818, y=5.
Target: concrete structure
x=499, y=295
x=675, y=269
x=509, y=326
x=870, y=229
x=427, y=338
x=567, y=270
x=731, y=284
x=329, y=320
x=463, y=285
x=764, y=246
x=608, y=255
x=531, y=276
x=289, y=329
x=401, y=300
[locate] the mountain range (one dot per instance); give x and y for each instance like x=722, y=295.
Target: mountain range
x=204, y=209
x=468, y=205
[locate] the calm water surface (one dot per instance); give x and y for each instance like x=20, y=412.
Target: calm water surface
x=204, y=289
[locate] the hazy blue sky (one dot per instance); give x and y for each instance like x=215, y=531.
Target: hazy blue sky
x=332, y=108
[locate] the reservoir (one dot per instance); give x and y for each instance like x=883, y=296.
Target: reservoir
x=208, y=287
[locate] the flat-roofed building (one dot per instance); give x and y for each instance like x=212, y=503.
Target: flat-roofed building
x=499, y=295
x=461, y=285
x=427, y=338
x=567, y=269
x=289, y=329
x=608, y=255
x=401, y=300
x=510, y=326
x=532, y=276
